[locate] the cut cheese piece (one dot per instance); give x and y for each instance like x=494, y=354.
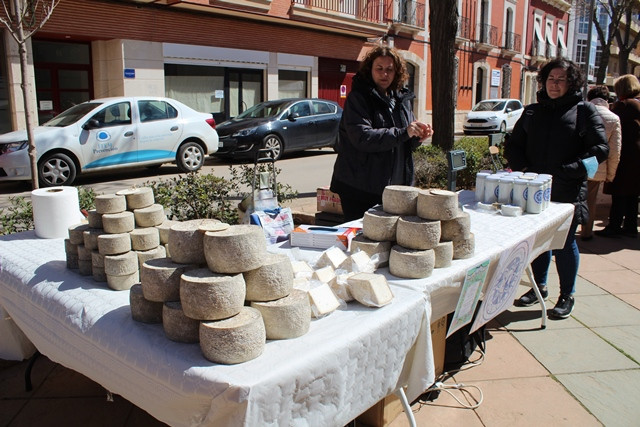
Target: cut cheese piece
x=437, y=204
x=144, y=239
x=122, y=222
x=143, y=310
x=272, y=280
x=94, y=218
x=160, y=279
x=150, y=216
x=144, y=256
x=76, y=233
x=379, y=225
x=464, y=248
x=457, y=228
x=211, y=296
x=234, y=340
x=177, y=326
x=113, y=244
x=287, y=317
x=110, y=204
x=340, y=287
x=301, y=283
x=333, y=257
x=301, y=269
x=123, y=283
x=323, y=300
x=137, y=198
x=371, y=247
x=120, y=265
x=411, y=263
x=443, y=254
x=417, y=233
x=358, y=262
x=163, y=230
x=370, y=289
x=324, y=274
x=186, y=241
x=237, y=249
x=400, y=199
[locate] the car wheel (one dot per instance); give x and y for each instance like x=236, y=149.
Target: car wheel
x=56, y=169
x=273, y=143
x=190, y=157
x=503, y=127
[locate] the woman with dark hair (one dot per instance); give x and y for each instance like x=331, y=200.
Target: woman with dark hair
x=559, y=135
x=377, y=135
x=625, y=188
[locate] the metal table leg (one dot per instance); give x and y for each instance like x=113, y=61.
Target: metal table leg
x=407, y=408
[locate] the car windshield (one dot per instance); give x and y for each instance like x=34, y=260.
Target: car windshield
x=264, y=110
x=72, y=115
x=489, y=106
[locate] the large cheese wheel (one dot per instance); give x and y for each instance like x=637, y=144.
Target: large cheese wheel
x=144, y=239
x=76, y=233
x=237, y=249
x=379, y=225
x=160, y=279
x=123, y=283
x=411, y=263
x=110, y=203
x=372, y=248
x=457, y=228
x=94, y=218
x=235, y=340
x=150, y=216
x=177, y=326
x=163, y=230
x=417, y=233
x=443, y=254
x=122, y=222
x=272, y=280
x=144, y=256
x=437, y=204
x=464, y=248
x=211, y=296
x=186, y=241
x=137, y=198
x=370, y=289
x=400, y=199
x=112, y=244
x=287, y=317
x=143, y=310
x=120, y=265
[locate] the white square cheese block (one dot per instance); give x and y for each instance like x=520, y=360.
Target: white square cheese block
x=324, y=274
x=370, y=289
x=301, y=269
x=323, y=300
x=333, y=256
x=358, y=262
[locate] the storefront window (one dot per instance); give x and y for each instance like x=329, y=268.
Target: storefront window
x=292, y=84
x=199, y=87
x=5, y=112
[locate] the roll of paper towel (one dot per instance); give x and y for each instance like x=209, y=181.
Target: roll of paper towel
x=55, y=209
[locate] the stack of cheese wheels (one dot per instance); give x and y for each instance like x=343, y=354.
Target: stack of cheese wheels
x=186, y=240
x=400, y=199
x=234, y=340
x=287, y=317
x=75, y=239
x=458, y=231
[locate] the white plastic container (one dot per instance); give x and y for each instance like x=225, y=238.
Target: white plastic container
x=548, y=180
x=491, y=188
x=480, y=180
x=519, y=197
x=535, y=196
x=505, y=189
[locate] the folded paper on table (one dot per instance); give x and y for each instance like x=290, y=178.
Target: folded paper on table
x=311, y=236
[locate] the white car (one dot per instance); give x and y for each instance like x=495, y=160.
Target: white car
x=111, y=133
x=493, y=115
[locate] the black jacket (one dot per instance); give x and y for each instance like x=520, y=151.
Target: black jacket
x=550, y=138
x=370, y=139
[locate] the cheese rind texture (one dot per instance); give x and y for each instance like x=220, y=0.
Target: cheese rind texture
x=379, y=225
x=416, y=233
x=160, y=279
x=437, y=204
x=149, y=216
x=235, y=340
x=411, y=263
x=400, y=199
x=211, y=296
x=110, y=203
x=177, y=326
x=237, y=249
x=143, y=310
x=271, y=281
x=186, y=242
x=122, y=222
x=287, y=317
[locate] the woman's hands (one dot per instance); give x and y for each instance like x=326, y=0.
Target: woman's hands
x=420, y=130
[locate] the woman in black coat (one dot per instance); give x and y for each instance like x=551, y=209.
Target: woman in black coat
x=625, y=188
x=555, y=136
x=377, y=135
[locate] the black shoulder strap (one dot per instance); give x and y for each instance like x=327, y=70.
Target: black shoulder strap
x=581, y=120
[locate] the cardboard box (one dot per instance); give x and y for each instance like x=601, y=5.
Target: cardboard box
x=313, y=236
x=385, y=411
x=328, y=201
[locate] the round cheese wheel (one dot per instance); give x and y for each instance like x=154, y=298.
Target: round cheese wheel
x=457, y=228
x=143, y=310
x=237, y=249
x=379, y=225
x=97, y=259
x=144, y=239
x=163, y=230
x=84, y=267
x=400, y=199
x=110, y=204
x=112, y=244
x=123, y=283
x=437, y=204
x=76, y=233
x=272, y=280
x=98, y=273
x=464, y=248
x=416, y=233
x=371, y=248
x=90, y=237
x=150, y=216
x=121, y=265
x=116, y=223
x=70, y=248
x=144, y=256
x=137, y=198
x=235, y=340
x=186, y=241
x=444, y=254
x=287, y=317
x=411, y=263
x=94, y=218
x=84, y=253
x=211, y=296
x=72, y=261
x=177, y=326
x=160, y=279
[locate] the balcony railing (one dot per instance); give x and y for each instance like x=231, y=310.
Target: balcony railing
x=372, y=11
x=487, y=34
x=512, y=41
x=410, y=12
x=464, y=28
x=538, y=48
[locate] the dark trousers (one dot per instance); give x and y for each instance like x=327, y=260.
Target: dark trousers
x=355, y=208
x=624, y=213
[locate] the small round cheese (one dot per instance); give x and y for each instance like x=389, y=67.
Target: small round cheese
x=237, y=249
x=84, y=253
x=379, y=225
x=98, y=273
x=123, y=283
x=437, y=204
x=163, y=230
x=137, y=198
x=143, y=310
x=72, y=261
x=177, y=326
x=444, y=254
x=144, y=256
x=371, y=247
x=90, y=237
x=112, y=244
x=110, y=204
x=144, y=239
x=76, y=233
x=84, y=267
x=234, y=340
x=160, y=279
x=287, y=317
x=116, y=223
x=211, y=296
x=416, y=233
x=121, y=265
x=94, y=219
x=411, y=263
x=400, y=199
x=457, y=228
x=464, y=248
x=150, y=216
x=70, y=248
x=272, y=280
x=97, y=259
x=186, y=241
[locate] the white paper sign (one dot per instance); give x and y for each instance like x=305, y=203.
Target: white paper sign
x=469, y=296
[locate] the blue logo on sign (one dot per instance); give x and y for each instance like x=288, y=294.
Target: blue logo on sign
x=103, y=136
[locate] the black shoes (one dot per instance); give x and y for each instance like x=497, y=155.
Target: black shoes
x=563, y=307
x=608, y=232
x=530, y=297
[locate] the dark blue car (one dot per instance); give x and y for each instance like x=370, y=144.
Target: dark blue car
x=283, y=126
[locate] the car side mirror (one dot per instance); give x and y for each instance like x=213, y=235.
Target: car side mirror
x=91, y=124
x=509, y=110
x=293, y=116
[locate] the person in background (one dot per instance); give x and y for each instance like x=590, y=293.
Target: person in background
x=599, y=96
x=625, y=188
x=377, y=135
x=559, y=135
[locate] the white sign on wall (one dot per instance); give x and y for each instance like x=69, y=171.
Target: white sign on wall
x=495, y=77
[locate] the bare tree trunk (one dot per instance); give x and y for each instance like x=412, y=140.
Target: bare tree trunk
x=443, y=23
x=602, y=67
x=28, y=106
